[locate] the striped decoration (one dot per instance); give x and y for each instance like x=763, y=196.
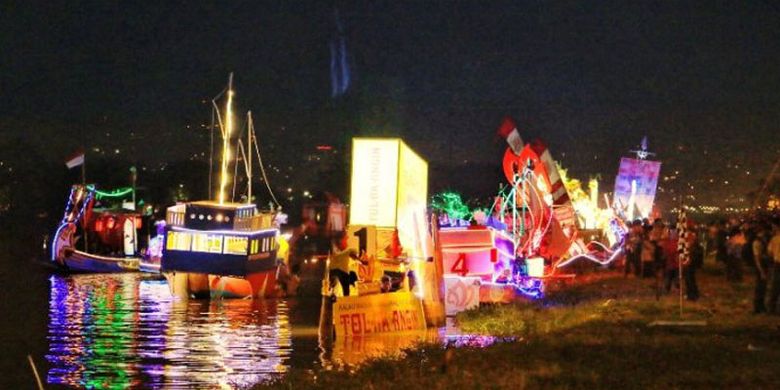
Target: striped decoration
x=683, y=247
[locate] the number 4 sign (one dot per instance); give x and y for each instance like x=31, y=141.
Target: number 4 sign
x=460, y=266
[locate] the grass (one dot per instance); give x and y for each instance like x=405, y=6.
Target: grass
x=592, y=333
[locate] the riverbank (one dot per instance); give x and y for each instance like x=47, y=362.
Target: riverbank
x=596, y=332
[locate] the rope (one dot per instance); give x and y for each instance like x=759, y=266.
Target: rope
x=235, y=175
x=262, y=169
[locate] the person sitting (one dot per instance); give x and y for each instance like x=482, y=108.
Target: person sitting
x=385, y=285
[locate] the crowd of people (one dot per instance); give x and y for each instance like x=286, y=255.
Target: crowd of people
x=654, y=250
x=752, y=242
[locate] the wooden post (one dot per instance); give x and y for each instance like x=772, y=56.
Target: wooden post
x=35, y=372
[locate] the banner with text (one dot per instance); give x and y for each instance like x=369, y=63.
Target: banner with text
x=378, y=313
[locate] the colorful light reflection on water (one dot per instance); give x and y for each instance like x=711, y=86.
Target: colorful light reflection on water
x=126, y=330
x=119, y=331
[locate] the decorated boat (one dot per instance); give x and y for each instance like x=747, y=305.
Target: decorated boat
x=220, y=248
x=527, y=236
x=102, y=238
x=397, y=280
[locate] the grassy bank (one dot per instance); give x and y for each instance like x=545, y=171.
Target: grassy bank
x=592, y=333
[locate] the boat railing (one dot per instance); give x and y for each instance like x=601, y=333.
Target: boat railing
x=175, y=215
x=256, y=222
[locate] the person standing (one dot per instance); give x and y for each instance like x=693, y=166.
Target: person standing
x=734, y=243
x=634, y=249
x=718, y=244
x=761, y=264
x=695, y=260
x=340, y=258
x=647, y=254
x=773, y=250
x=669, y=245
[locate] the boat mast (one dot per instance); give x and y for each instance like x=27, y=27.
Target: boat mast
x=226, y=140
x=250, y=131
x=211, y=149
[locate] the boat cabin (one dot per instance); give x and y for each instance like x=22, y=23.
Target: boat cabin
x=231, y=239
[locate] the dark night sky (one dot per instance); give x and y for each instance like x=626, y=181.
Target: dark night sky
x=700, y=80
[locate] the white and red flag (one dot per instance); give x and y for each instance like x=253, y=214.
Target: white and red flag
x=75, y=159
x=508, y=130
x=564, y=210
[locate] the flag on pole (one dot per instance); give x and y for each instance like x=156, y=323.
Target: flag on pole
x=75, y=159
x=508, y=130
x=683, y=243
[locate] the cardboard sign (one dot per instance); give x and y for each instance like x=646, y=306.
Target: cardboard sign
x=472, y=263
x=461, y=293
x=377, y=313
x=372, y=243
x=362, y=238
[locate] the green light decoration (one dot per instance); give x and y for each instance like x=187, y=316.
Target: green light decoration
x=452, y=204
x=117, y=193
x=107, y=345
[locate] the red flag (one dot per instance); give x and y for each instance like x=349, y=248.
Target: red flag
x=508, y=130
x=394, y=249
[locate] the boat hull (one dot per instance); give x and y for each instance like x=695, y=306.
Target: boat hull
x=197, y=285
x=78, y=261
x=67, y=257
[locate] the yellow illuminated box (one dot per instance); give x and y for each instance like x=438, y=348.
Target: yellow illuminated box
x=389, y=190
x=389, y=183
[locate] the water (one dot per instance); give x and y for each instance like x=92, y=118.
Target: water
x=126, y=330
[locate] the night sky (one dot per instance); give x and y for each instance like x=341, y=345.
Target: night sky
x=700, y=80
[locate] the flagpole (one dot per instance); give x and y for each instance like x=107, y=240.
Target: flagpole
x=84, y=174
x=682, y=225
x=680, y=279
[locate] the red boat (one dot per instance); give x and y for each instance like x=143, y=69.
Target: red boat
x=90, y=239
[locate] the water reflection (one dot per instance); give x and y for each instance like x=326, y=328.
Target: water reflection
x=122, y=330
x=125, y=330
x=355, y=350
